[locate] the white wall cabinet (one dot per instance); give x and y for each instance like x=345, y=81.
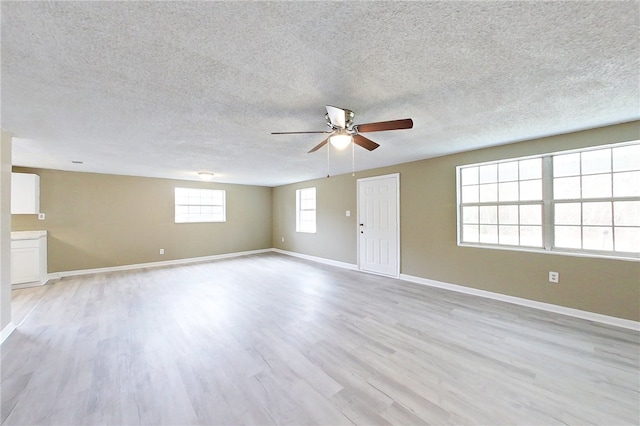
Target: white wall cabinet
x=25, y=193
x=28, y=258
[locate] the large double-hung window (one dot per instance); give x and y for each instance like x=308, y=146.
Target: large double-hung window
x=585, y=201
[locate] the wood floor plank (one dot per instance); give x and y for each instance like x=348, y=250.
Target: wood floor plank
x=274, y=340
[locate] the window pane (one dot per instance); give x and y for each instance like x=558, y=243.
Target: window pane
x=567, y=214
x=508, y=171
x=469, y=175
x=531, y=190
x=508, y=215
x=531, y=215
x=470, y=234
x=568, y=237
x=596, y=161
x=508, y=191
x=596, y=214
x=626, y=213
x=596, y=186
x=470, y=194
x=488, y=192
x=206, y=198
x=597, y=238
x=307, y=204
x=217, y=198
x=626, y=184
x=531, y=236
x=628, y=239
x=489, y=214
x=626, y=158
x=470, y=215
x=307, y=216
x=566, y=165
x=508, y=235
x=531, y=169
x=489, y=173
x=566, y=188
x=488, y=234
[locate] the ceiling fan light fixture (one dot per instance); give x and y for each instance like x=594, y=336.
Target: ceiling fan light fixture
x=341, y=140
x=206, y=176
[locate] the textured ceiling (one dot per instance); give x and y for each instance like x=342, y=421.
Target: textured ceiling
x=166, y=89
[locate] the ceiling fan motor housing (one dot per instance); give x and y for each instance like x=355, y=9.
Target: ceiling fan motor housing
x=348, y=118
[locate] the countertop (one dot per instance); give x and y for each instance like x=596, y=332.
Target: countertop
x=28, y=235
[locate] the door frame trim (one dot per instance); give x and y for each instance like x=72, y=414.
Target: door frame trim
x=398, y=249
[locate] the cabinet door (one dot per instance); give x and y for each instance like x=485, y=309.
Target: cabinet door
x=25, y=263
x=25, y=193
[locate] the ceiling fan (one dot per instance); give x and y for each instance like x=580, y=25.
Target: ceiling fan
x=342, y=130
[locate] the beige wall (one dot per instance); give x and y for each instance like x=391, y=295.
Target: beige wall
x=98, y=220
x=428, y=232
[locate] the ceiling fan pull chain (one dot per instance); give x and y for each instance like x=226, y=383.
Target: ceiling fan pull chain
x=328, y=161
x=353, y=158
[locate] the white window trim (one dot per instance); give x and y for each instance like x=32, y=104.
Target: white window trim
x=299, y=210
x=548, y=205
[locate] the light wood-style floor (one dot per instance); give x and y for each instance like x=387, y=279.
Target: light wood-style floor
x=271, y=339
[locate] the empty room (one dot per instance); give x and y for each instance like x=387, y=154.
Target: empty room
x=320, y=213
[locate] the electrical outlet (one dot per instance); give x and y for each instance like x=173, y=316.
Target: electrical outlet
x=554, y=277
x=348, y=213
x=283, y=239
x=41, y=216
x=161, y=251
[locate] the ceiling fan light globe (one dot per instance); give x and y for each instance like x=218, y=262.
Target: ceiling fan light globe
x=341, y=141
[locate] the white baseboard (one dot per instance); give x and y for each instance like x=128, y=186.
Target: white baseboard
x=30, y=284
x=577, y=313
x=57, y=275
x=591, y=316
x=339, y=264
x=6, y=331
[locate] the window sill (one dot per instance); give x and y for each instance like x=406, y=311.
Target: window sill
x=552, y=252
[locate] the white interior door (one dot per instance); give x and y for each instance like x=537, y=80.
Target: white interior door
x=378, y=226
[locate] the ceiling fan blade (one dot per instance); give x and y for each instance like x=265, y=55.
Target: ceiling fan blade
x=337, y=116
x=406, y=123
x=320, y=145
x=364, y=142
x=296, y=133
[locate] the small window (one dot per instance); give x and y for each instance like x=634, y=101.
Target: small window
x=306, y=210
x=200, y=205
